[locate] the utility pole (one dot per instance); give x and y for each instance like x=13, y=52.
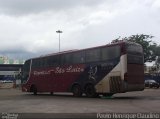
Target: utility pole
x=59, y=32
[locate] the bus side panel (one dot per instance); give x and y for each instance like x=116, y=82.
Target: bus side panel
x=94, y=73
x=61, y=79
x=42, y=83
x=112, y=82
x=55, y=79
x=41, y=79
x=65, y=76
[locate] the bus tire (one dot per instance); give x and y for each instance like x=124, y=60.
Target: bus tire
x=33, y=89
x=90, y=91
x=76, y=90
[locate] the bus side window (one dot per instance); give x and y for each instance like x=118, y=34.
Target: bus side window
x=49, y=61
x=52, y=61
x=35, y=63
x=109, y=53
x=45, y=62
x=93, y=55
x=66, y=59
x=78, y=57
x=41, y=62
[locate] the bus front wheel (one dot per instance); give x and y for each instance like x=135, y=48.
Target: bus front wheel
x=34, y=89
x=77, y=92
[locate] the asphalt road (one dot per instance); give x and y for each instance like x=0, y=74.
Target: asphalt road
x=13, y=100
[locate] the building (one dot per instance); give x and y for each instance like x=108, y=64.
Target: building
x=9, y=71
x=6, y=60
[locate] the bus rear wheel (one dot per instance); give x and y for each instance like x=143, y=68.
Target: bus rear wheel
x=77, y=92
x=90, y=91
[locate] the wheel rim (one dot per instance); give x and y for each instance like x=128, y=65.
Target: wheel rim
x=90, y=91
x=35, y=90
x=77, y=90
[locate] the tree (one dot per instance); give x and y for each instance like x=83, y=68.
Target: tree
x=149, y=47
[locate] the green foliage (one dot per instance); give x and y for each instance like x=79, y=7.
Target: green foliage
x=1, y=61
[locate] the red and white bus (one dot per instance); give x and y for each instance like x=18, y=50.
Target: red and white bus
x=105, y=70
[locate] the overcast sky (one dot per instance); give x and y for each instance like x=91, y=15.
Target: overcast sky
x=28, y=27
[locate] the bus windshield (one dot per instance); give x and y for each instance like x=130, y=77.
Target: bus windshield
x=134, y=53
x=25, y=72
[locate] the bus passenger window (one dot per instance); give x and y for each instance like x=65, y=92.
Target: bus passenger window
x=109, y=53
x=93, y=55
x=66, y=59
x=78, y=57
x=53, y=61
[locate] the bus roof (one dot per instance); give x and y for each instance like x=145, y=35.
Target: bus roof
x=76, y=50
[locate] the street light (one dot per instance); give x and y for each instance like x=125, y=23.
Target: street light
x=59, y=38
